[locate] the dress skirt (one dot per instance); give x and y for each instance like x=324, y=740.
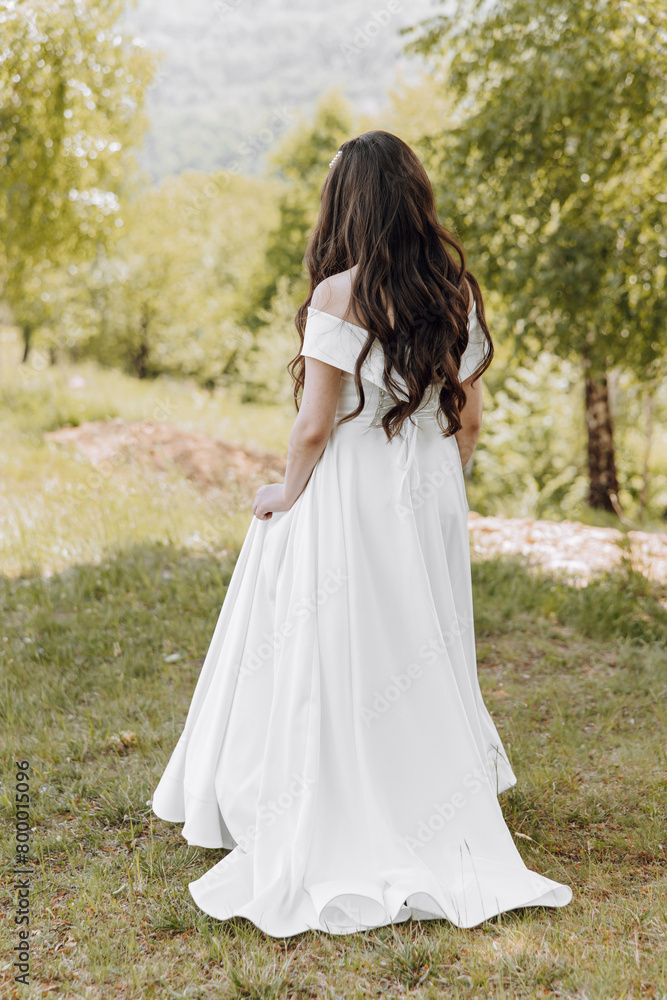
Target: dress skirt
x=337, y=744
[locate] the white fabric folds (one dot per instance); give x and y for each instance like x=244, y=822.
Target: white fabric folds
x=337, y=742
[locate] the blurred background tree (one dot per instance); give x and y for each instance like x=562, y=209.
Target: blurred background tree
x=170, y=296
x=300, y=162
x=71, y=93
x=555, y=170
x=543, y=131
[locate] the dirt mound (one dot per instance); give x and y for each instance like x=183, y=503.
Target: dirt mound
x=577, y=551
x=205, y=461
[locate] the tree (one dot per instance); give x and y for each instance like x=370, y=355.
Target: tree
x=169, y=297
x=71, y=93
x=556, y=171
x=300, y=162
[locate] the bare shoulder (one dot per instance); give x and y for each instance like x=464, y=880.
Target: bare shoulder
x=333, y=295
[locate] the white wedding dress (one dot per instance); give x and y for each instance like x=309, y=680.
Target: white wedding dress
x=337, y=743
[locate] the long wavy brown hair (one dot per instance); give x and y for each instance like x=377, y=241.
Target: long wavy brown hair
x=377, y=210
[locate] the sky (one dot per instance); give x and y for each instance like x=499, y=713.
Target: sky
x=229, y=67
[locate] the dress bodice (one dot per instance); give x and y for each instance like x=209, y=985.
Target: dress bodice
x=338, y=342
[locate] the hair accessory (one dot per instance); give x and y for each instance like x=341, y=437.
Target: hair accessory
x=335, y=158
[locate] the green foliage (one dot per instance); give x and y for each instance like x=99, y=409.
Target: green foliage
x=301, y=162
x=38, y=406
x=168, y=298
x=531, y=459
x=231, y=77
x=169, y=301
x=263, y=369
x=71, y=91
x=201, y=276
x=556, y=168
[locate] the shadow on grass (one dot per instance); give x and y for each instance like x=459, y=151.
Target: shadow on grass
x=100, y=665
x=156, y=604
x=621, y=604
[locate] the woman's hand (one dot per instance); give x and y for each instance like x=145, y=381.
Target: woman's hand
x=307, y=440
x=270, y=499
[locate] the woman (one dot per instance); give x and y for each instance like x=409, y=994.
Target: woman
x=337, y=742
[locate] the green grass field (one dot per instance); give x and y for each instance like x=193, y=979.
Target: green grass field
x=99, y=664
x=59, y=510
x=108, y=608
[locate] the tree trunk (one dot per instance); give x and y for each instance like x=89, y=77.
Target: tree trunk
x=139, y=360
x=648, y=438
x=26, y=330
x=140, y=357
x=603, y=484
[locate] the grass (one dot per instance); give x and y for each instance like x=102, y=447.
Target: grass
x=111, y=586
x=59, y=510
x=99, y=663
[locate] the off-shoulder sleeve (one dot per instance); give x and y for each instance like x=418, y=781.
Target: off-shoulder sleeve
x=328, y=339
x=337, y=342
x=475, y=352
